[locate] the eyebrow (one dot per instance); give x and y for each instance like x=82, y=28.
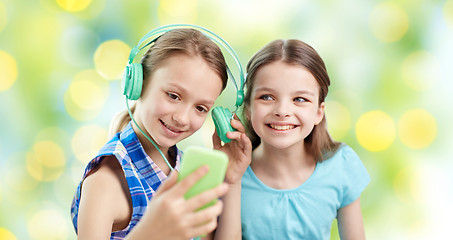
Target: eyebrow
x=301, y=92
x=184, y=91
x=306, y=92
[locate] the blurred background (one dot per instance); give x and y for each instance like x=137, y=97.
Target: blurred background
x=390, y=63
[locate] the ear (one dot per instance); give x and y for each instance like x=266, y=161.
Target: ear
x=247, y=113
x=320, y=113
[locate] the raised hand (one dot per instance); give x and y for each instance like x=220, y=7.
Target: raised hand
x=239, y=151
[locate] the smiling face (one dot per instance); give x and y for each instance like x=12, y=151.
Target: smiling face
x=284, y=104
x=177, y=99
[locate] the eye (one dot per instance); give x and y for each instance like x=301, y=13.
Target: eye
x=265, y=97
x=173, y=96
x=202, y=109
x=299, y=99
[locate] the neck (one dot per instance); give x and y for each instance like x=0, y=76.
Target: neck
x=282, y=168
x=282, y=160
x=152, y=152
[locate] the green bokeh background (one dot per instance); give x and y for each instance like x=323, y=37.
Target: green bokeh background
x=390, y=63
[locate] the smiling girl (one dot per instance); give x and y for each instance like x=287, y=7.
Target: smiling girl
x=121, y=195
x=300, y=177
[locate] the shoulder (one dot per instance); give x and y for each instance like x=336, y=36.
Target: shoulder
x=106, y=178
x=105, y=182
x=108, y=170
x=343, y=155
x=347, y=160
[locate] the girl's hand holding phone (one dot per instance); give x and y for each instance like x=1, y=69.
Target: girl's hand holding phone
x=169, y=207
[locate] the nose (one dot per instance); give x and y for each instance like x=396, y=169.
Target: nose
x=181, y=116
x=282, y=109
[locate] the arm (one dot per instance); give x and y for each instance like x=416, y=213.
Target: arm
x=170, y=216
x=350, y=222
x=239, y=152
x=99, y=215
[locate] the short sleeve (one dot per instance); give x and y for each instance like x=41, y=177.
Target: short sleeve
x=355, y=176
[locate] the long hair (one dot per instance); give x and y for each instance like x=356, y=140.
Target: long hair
x=188, y=41
x=294, y=52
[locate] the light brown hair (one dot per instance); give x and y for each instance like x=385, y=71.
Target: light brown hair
x=188, y=41
x=295, y=52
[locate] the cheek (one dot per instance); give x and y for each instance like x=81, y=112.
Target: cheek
x=196, y=122
x=256, y=120
x=160, y=109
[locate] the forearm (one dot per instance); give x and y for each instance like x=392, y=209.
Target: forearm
x=229, y=225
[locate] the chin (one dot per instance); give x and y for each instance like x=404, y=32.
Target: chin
x=279, y=144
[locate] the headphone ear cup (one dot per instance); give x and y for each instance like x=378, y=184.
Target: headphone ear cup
x=137, y=78
x=221, y=117
x=133, y=81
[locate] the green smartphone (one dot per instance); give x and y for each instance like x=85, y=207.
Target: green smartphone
x=193, y=158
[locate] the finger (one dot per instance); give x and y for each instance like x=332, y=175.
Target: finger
x=234, y=135
x=246, y=144
x=216, y=142
x=201, y=217
x=168, y=183
x=185, y=184
x=237, y=125
x=204, y=229
x=203, y=198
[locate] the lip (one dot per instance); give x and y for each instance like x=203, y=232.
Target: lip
x=169, y=130
x=281, y=127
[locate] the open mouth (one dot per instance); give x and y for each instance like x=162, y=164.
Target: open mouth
x=281, y=127
x=170, y=128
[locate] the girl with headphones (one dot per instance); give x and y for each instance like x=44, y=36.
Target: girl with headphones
x=121, y=195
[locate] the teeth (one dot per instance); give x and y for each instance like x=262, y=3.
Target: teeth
x=281, y=127
x=171, y=129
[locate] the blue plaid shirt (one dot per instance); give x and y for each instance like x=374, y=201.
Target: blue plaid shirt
x=142, y=174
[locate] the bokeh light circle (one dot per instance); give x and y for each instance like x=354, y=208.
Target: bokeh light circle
x=85, y=88
x=174, y=11
x=87, y=141
x=338, y=119
x=375, y=130
x=388, y=22
x=73, y=5
x=420, y=70
x=46, y=161
x=3, y=18
x=111, y=58
x=86, y=95
x=47, y=224
x=448, y=12
x=8, y=71
x=417, y=128
x=88, y=90
x=6, y=235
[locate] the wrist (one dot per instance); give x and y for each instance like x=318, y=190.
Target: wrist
x=234, y=186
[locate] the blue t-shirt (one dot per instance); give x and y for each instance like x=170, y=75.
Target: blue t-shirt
x=305, y=212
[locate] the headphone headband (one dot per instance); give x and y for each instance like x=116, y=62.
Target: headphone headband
x=156, y=33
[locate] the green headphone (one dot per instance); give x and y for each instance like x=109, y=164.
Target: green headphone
x=133, y=79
